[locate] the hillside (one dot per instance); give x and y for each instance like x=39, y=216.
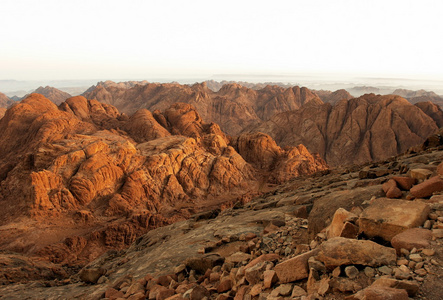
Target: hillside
x=83, y=178
x=368, y=128
x=233, y=107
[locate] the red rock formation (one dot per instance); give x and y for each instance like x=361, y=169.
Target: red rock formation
x=355, y=131
x=89, y=178
x=233, y=106
x=432, y=110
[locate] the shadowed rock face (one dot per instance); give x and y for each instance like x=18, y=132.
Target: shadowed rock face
x=233, y=107
x=5, y=101
x=82, y=177
x=355, y=131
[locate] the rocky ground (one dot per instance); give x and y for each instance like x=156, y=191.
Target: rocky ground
x=334, y=235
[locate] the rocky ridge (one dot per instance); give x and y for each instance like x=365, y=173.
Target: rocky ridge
x=83, y=178
x=368, y=128
x=333, y=97
x=287, y=244
x=5, y=102
x=55, y=95
x=233, y=107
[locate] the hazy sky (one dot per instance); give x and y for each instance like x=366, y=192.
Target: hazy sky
x=138, y=39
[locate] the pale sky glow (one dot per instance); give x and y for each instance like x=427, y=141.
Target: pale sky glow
x=140, y=39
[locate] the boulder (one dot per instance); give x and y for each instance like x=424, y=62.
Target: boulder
x=412, y=238
x=376, y=292
x=254, y=274
x=295, y=268
x=269, y=278
x=428, y=187
x=386, y=218
x=420, y=174
x=337, y=226
x=271, y=257
x=203, y=263
x=391, y=190
x=405, y=183
x=342, y=251
x=91, y=275
x=410, y=286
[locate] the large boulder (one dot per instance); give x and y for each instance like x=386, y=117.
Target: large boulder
x=341, y=225
x=325, y=207
x=342, y=251
x=412, y=238
x=295, y=268
x=428, y=187
x=387, y=217
x=377, y=292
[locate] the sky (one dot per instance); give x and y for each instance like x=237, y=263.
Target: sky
x=135, y=39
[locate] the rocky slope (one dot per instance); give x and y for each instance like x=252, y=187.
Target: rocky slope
x=82, y=178
x=419, y=96
x=331, y=236
x=333, y=97
x=233, y=107
x=217, y=85
x=5, y=102
x=55, y=95
x=371, y=127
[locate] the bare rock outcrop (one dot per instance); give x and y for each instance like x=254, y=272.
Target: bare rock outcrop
x=99, y=179
x=355, y=131
x=233, y=106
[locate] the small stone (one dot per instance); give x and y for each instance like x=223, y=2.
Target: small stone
x=434, y=262
x=163, y=294
x=351, y=271
x=317, y=265
x=421, y=272
x=336, y=272
x=385, y=270
x=412, y=264
x=256, y=289
x=433, y=216
x=369, y=272
x=285, y=289
x=225, y=285
x=198, y=293
x=402, y=261
x=437, y=233
x=298, y=292
x=427, y=224
x=253, y=274
x=415, y=257
x=313, y=244
x=404, y=252
x=323, y=286
x=269, y=278
x=419, y=265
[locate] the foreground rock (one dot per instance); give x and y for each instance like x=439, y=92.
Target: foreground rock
x=342, y=251
x=387, y=217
